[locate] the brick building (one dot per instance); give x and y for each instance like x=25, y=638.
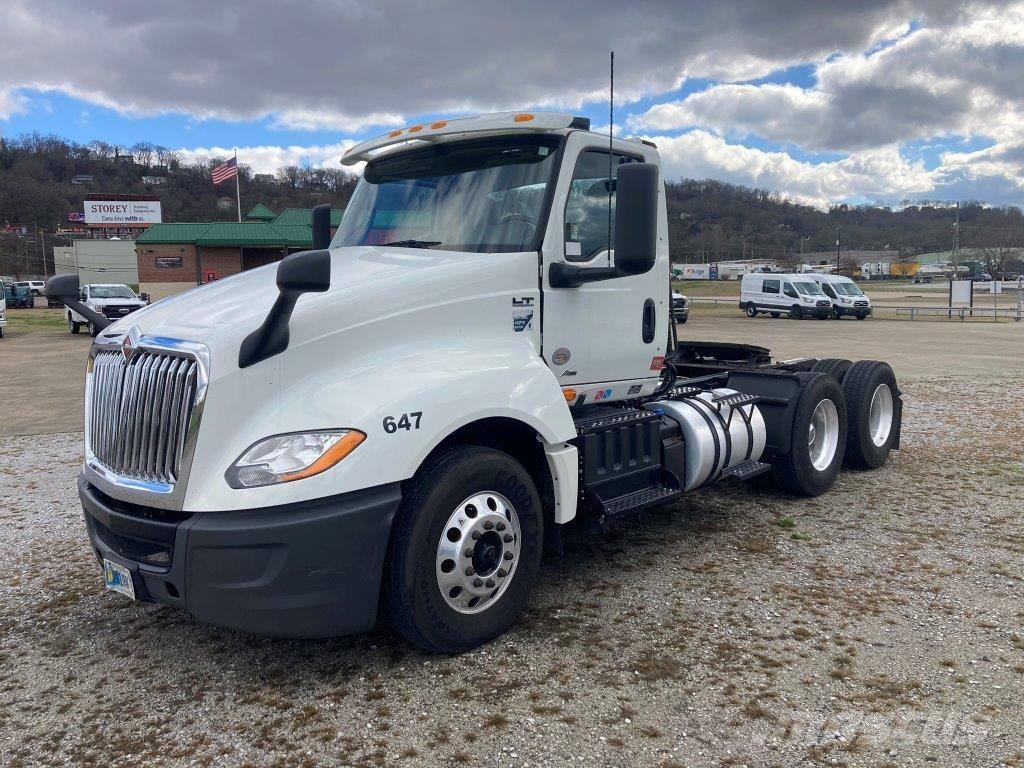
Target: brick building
x=174, y=257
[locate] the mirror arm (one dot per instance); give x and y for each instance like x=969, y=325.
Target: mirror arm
x=562, y=275
x=271, y=338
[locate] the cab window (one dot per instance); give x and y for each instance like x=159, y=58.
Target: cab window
x=790, y=291
x=587, y=208
x=828, y=290
x=771, y=286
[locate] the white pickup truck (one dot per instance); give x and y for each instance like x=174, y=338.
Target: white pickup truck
x=111, y=300
x=406, y=416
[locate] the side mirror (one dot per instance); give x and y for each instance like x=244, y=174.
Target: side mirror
x=636, y=218
x=636, y=230
x=321, y=225
x=303, y=272
x=66, y=290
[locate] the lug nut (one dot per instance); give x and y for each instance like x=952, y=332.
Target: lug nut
x=509, y=555
x=476, y=535
x=502, y=573
x=501, y=526
x=478, y=582
x=469, y=570
x=507, y=538
x=490, y=583
x=488, y=525
x=469, y=552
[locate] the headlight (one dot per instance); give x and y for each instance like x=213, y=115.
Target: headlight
x=284, y=458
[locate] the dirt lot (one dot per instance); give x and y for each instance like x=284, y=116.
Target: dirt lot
x=879, y=625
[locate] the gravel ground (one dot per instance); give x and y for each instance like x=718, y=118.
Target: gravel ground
x=880, y=625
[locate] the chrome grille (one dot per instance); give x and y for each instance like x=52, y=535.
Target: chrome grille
x=139, y=413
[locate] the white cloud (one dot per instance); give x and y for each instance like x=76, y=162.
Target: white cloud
x=881, y=174
x=11, y=103
x=269, y=158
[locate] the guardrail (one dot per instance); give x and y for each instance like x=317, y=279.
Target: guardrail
x=1013, y=313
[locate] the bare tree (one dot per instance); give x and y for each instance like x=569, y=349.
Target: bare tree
x=999, y=249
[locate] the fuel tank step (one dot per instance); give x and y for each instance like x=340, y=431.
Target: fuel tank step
x=746, y=470
x=639, y=500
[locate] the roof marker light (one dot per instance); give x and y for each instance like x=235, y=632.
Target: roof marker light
x=523, y=117
x=393, y=134
x=439, y=124
x=415, y=129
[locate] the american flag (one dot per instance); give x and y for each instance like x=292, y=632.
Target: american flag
x=225, y=171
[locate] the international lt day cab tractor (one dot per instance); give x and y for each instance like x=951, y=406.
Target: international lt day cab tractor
x=407, y=415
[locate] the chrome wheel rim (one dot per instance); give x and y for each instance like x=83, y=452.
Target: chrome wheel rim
x=880, y=415
x=823, y=434
x=478, y=552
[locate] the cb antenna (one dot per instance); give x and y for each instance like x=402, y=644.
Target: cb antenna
x=611, y=123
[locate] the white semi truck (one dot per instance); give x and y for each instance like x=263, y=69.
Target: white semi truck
x=406, y=416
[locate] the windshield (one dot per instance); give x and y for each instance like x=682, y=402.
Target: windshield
x=809, y=289
x=847, y=289
x=484, y=196
x=111, y=292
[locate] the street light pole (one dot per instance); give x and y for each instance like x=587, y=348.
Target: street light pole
x=839, y=238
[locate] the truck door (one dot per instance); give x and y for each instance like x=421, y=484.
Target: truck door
x=611, y=332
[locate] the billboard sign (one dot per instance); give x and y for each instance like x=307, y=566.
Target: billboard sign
x=696, y=272
x=76, y=216
x=122, y=212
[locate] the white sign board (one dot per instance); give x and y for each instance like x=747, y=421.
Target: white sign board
x=960, y=291
x=696, y=272
x=121, y=212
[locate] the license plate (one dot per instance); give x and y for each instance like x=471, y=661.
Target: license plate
x=118, y=578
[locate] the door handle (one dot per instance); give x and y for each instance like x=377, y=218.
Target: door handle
x=649, y=323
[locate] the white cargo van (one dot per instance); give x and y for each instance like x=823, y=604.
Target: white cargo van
x=847, y=297
x=3, y=309
x=779, y=294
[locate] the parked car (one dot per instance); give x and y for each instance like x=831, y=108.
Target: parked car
x=112, y=300
x=35, y=286
x=680, y=307
x=780, y=294
x=18, y=296
x=984, y=277
x=847, y=297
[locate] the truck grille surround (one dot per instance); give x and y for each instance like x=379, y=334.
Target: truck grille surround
x=139, y=413
x=114, y=311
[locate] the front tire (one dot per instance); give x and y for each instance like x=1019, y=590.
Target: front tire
x=797, y=313
x=73, y=326
x=465, y=550
x=818, y=441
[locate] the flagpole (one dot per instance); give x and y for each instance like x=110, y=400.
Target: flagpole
x=238, y=195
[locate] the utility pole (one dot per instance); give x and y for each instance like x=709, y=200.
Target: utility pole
x=956, y=241
x=839, y=238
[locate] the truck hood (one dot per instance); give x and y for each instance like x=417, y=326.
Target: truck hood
x=225, y=311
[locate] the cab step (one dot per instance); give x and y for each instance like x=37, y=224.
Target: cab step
x=639, y=500
x=746, y=470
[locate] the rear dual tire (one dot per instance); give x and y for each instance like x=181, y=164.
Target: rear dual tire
x=818, y=438
x=872, y=407
x=446, y=537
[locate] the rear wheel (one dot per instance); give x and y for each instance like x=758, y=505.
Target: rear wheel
x=834, y=366
x=818, y=438
x=797, y=312
x=465, y=550
x=751, y=310
x=871, y=405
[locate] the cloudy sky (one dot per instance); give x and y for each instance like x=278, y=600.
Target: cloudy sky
x=873, y=100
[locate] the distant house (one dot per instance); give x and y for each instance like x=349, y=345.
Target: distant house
x=82, y=178
x=264, y=178
x=173, y=257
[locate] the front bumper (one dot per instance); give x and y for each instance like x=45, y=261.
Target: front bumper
x=300, y=570
x=843, y=311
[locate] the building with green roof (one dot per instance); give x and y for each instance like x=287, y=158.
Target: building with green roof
x=176, y=256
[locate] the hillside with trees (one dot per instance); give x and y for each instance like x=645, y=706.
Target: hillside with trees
x=708, y=220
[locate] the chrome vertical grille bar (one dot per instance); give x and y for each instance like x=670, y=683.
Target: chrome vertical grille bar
x=139, y=412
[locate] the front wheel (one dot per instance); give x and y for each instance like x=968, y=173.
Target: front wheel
x=465, y=550
x=93, y=329
x=860, y=317
x=834, y=314
x=796, y=313
x=751, y=310
x=73, y=326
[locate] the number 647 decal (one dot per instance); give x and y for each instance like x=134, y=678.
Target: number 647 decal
x=406, y=421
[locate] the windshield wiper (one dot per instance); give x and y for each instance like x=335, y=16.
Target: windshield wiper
x=414, y=243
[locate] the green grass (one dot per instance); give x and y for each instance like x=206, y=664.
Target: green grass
x=35, y=321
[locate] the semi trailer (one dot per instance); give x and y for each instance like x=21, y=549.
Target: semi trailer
x=400, y=421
